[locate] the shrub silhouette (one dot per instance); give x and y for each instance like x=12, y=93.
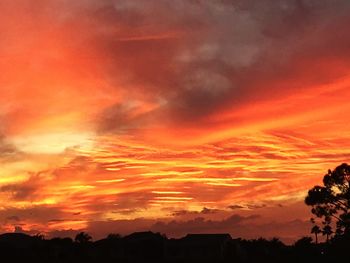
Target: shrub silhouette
x=82, y=238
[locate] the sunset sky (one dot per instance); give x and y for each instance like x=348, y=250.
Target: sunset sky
x=176, y=116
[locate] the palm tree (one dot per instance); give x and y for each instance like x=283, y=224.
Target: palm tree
x=327, y=230
x=316, y=230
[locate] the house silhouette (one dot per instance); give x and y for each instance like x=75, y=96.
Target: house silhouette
x=145, y=246
x=201, y=247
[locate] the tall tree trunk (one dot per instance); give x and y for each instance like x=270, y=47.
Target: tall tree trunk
x=316, y=238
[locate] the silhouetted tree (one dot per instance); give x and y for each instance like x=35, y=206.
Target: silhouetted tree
x=114, y=236
x=303, y=242
x=327, y=231
x=316, y=230
x=82, y=238
x=332, y=200
x=39, y=236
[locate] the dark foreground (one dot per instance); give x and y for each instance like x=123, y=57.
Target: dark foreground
x=153, y=247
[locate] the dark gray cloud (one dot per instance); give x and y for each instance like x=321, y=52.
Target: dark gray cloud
x=39, y=214
x=172, y=228
x=100, y=229
x=252, y=226
x=233, y=207
x=224, y=50
x=28, y=190
x=20, y=191
x=13, y=218
x=196, y=58
x=204, y=211
x=8, y=152
x=202, y=225
x=19, y=229
x=193, y=58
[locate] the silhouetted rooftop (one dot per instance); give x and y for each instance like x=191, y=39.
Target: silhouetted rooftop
x=144, y=235
x=206, y=238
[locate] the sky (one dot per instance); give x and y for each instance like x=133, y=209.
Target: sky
x=185, y=116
